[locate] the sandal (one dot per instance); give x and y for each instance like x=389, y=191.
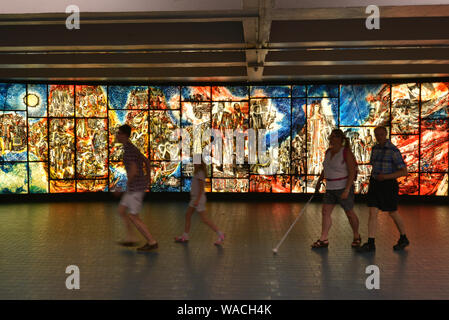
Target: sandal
x=320, y=244
x=356, y=242
x=181, y=239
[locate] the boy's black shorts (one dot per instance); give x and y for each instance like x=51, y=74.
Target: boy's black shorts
x=383, y=195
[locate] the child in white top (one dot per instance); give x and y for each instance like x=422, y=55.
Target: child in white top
x=198, y=203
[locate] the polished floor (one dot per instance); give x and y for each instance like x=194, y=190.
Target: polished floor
x=38, y=241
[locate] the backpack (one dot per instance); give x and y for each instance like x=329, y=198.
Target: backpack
x=345, y=155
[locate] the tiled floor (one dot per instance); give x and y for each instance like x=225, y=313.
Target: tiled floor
x=38, y=242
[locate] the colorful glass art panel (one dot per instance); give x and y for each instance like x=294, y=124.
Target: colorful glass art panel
x=322, y=90
x=14, y=177
x=260, y=183
x=38, y=139
x=128, y=97
x=322, y=117
x=405, y=108
x=92, y=186
x=435, y=100
x=196, y=94
x=13, y=136
x=164, y=97
x=62, y=138
x=38, y=177
x=91, y=101
x=61, y=101
x=165, y=143
x=230, y=185
x=62, y=186
x=362, y=141
x=12, y=96
x=62, y=149
x=409, y=147
x=270, y=91
x=165, y=176
x=433, y=184
x=36, y=100
x=138, y=121
x=434, y=145
x=117, y=176
x=91, y=148
x=364, y=105
x=409, y=184
x=230, y=93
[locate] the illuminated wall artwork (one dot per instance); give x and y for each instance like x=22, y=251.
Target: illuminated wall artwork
x=435, y=100
x=61, y=138
x=117, y=176
x=13, y=177
x=322, y=117
x=38, y=139
x=409, y=184
x=364, y=105
x=165, y=176
x=91, y=101
x=61, y=100
x=230, y=116
x=38, y=177
x=164, y=97
x=405, y=108
x=13, y=134
x=434, y=184
x=91, y=148
x=36, y=100
x=434, y=145
x=62, y=148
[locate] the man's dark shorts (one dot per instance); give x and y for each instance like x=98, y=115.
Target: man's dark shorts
x=383, y=195
x=334, y=197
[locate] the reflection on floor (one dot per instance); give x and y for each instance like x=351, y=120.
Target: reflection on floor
x=38, y=242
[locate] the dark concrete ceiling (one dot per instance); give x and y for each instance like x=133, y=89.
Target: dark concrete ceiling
x=260, y=42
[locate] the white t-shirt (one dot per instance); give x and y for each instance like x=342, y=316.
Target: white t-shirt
x=335, y=168
x=195, y=188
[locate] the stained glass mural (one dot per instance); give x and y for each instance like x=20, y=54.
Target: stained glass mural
x=60, y=138
x=164, y=97
x=62, y=149
x=38, y=177
x=364, y=105
x=36, y=100
x=91, y=148
x=165, y=176
x=322, y=117
x=128, y=97
x=405, y=108
x=13, y=136
x=37, y=139
x=434, y=145
x=61, y=101
x=91, y=101
x=435, y=100
x=14, y=177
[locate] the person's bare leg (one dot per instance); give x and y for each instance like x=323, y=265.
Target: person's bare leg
x=326, y=220
x=354, y=222
x=398, y=221
x=372, y=222
x=207, y=221
x=130, y=235
x=142, y=228
x=190, y=211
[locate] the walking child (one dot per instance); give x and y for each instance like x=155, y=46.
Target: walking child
x=198, y=203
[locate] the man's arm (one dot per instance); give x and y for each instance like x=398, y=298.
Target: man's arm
x=132, y=172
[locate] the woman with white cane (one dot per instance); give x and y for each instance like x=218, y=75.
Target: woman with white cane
x=340, y=171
